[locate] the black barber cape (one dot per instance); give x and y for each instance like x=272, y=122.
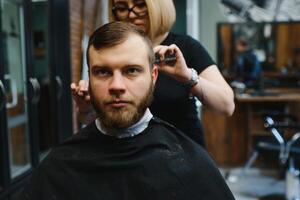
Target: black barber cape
x=161, y=163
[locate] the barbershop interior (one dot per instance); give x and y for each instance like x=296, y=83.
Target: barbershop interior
x=254, y=43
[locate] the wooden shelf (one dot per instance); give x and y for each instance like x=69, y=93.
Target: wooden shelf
x=230, y=140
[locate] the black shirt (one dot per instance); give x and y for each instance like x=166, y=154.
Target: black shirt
x=172, y=101
x=160, y=163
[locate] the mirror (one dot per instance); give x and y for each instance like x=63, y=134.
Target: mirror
x=273, y=51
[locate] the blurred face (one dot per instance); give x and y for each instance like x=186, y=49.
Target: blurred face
x=121, y=82
x=241, y=47
x=133, y=11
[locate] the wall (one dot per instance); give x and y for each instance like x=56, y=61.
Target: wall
x=40, y=27
x=85, y=16
x=180, y=23
x=209, y=15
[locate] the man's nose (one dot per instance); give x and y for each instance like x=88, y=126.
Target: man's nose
x=117, y=85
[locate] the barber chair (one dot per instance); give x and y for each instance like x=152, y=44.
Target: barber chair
x=277, y=141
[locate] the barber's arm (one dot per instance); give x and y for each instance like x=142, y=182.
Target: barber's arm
x=214, y=92
x=211, y=88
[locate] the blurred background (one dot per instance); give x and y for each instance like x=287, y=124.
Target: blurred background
x=255, y=44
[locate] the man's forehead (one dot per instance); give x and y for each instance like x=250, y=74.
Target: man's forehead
x=133, y=50
x=132, y=44
x=130, y=39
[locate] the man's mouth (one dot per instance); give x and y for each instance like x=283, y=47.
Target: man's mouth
x=118, y=103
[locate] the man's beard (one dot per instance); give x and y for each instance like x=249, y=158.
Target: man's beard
x=124, y=117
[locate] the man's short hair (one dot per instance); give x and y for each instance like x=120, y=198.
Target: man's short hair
x=115, y=33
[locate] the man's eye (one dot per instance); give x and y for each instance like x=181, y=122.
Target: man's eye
x=133, y=71
x=101, y=72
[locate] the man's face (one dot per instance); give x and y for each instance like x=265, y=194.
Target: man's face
x=121, y=82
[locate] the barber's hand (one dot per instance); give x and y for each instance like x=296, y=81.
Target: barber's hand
x=177, y=69
x=81, y=96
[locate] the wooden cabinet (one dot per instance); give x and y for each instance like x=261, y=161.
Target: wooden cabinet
x=225, y=136
x=229, y=139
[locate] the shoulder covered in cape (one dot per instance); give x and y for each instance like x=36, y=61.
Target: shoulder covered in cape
x=159, y=163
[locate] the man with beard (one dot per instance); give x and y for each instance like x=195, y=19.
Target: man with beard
x=126, y=153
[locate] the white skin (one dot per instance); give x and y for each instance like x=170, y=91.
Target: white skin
x=120, y=83
x=212, y=89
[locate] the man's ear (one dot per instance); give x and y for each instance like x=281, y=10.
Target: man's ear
x=154, y=74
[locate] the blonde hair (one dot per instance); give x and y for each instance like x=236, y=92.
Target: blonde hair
x=162, y=15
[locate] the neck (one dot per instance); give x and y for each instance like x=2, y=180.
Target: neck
x=131, y=131
x=158, y=40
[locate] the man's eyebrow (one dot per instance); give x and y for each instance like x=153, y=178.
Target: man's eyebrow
x=124, y=66
x=132, y=65
x=99, y=66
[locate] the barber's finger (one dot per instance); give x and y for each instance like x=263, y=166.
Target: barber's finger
x=157, y=48
x=165, y=52
x=83, y=85
x=162, y=52
x=160, y=49
x=87, y=98
x=73, y=87
x=176, y=49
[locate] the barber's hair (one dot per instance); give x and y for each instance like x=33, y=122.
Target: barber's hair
x=115, y=33
x=162, y=15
